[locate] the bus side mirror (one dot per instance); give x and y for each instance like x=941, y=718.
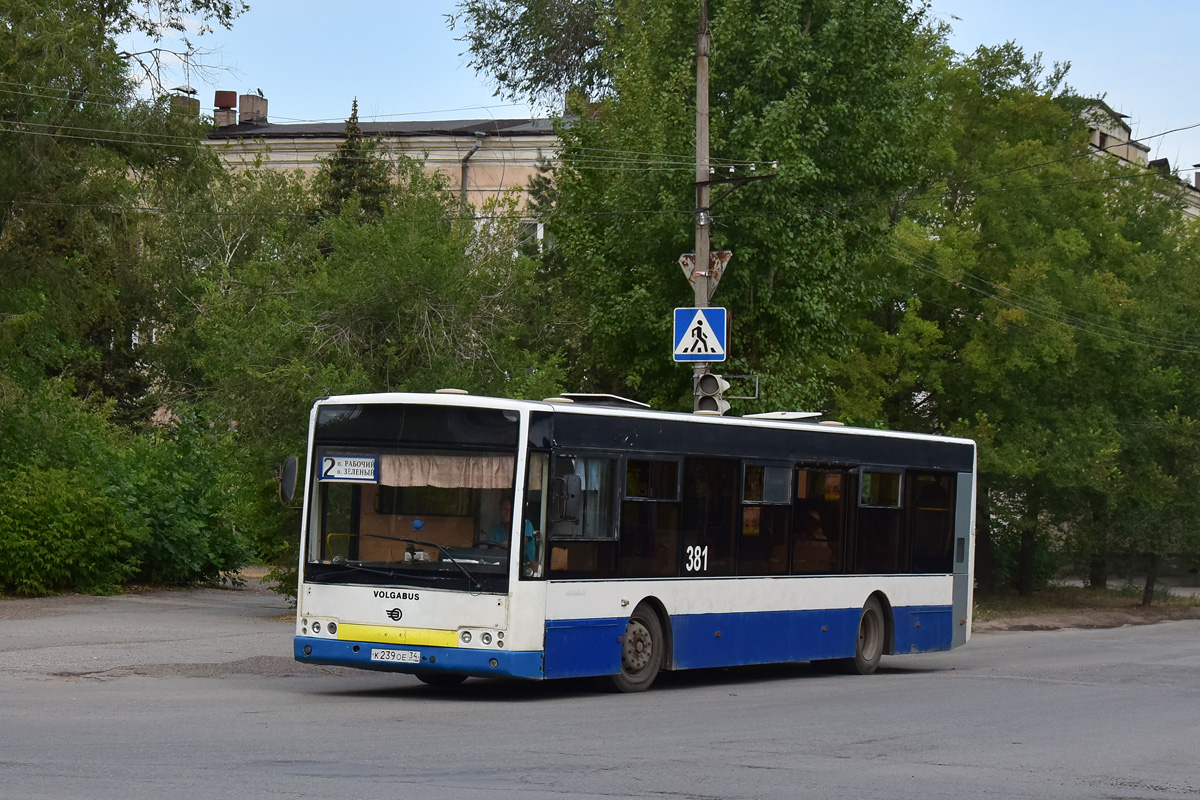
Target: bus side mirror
x=567, y=493
x=287, y=480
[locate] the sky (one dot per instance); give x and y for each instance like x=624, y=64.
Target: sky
x=399, y=58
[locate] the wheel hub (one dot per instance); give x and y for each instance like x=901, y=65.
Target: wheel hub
x=638, y=649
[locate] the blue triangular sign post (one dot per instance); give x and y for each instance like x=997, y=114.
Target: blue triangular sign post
x=700, y=334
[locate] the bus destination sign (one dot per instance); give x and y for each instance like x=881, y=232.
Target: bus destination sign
x=350, y=469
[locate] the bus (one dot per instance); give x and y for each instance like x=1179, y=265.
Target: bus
x=448, y=535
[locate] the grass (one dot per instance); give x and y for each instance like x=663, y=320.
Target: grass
x=1074, y=599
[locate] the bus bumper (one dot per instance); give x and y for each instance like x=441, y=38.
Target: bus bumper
x=481, y=663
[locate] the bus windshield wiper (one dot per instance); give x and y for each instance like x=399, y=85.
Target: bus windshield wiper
x=358, y=565
x=445, y=553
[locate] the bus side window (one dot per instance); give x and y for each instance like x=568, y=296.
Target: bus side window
x=595, y=482
x=650, y=519
x=534, y=516
x=878, y=543
x=710, y=516
x=587, y=545
x=932, y=522
x=819, y=522
x=766, y=520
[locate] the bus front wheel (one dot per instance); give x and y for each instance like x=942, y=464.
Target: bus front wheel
x=641, y=651
x=871, y=634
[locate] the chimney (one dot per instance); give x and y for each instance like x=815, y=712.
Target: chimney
x=182, y=104
x=253, y=108
x=225, y=115
x=1196, y=176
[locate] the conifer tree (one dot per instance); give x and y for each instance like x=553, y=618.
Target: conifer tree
x=359, y=168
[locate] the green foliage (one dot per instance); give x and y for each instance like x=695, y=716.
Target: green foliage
x=76, y=151
x=623, y=201
x=60, y=531
x=538, y=49
x=88, y=506
x=358, y=169
x=82, y=161
x=174, y=480
x=1037, y=299
x=285, y=306
x=62, y=525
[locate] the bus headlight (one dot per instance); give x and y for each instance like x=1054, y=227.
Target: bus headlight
x=466, y=637
x=486, y=638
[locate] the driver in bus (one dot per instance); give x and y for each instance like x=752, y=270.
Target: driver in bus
x=497, y=536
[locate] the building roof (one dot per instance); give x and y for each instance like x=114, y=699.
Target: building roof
x=336, y=130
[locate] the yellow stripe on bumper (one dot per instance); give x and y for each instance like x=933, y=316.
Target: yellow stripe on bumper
x=384, y=635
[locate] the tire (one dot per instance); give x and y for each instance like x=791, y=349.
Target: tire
x=641, y=651
x=872, y=632
x=443, y=680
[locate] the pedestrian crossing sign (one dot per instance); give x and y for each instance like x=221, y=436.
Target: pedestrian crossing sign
x=700, y=334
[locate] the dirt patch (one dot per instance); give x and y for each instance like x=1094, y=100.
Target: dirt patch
x=1086, y=618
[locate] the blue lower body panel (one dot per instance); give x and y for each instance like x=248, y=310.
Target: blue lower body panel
x=727, y=640
x=924, y=629
x=577, y=648
x=518, y=664
x=584, y=647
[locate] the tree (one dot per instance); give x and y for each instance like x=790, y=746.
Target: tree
x=80, y=157
x=623, y=200
x=538, y=50
x=359, y=169
x=1032, y=302
x=76, y=152
x=288, y=306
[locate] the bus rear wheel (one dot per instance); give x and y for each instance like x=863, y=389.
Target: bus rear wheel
x=641, y=651
x=871, y=633
x=441, y=679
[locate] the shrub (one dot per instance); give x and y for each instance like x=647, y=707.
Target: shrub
x=172, y=482
x=61, y=531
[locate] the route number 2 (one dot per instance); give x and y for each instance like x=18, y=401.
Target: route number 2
x=697, y=559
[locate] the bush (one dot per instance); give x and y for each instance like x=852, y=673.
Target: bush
x=172, y=482
x=60, y=531
x=88, y=506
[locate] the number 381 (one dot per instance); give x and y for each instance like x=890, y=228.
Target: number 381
x=696, y=559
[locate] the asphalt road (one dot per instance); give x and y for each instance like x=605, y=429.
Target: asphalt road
x=193, y=694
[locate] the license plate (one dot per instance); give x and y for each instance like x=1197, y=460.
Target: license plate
x=401, y=656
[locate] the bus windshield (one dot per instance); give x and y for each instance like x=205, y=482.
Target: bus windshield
x=421, y=516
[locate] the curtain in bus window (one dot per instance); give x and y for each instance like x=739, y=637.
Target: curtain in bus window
x=819, y=523
x=710, y=515
x=449, y=472
x=932, y=527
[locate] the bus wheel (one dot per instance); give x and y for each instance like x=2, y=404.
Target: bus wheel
x=442, y=679
x=641, y=651
x=871, y=631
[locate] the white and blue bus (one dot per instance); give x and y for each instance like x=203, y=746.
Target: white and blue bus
x=447, y=535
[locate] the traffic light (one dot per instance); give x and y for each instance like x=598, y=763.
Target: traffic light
x=708, y=393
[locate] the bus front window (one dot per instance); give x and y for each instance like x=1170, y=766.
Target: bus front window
x=416, y=513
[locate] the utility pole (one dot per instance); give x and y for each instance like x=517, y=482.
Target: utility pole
x=703, y=44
